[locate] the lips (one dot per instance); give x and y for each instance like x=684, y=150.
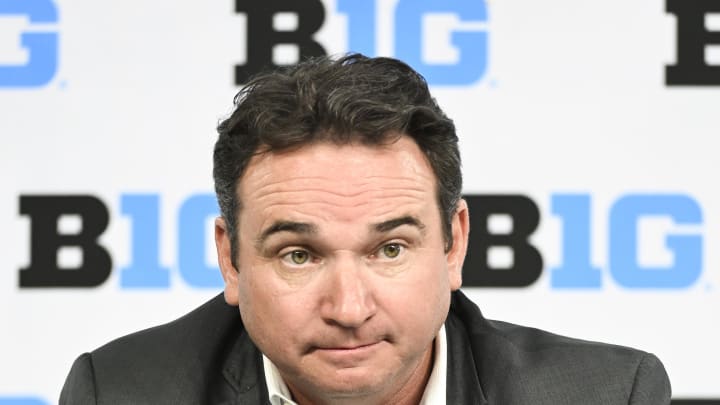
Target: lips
x=347, y=342
x=347, y=347
x=348, y=355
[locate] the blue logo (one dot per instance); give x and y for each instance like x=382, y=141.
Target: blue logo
x=686, y=247
x=42, y=47
x=411, y=45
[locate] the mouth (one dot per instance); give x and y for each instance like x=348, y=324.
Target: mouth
x=348, y=355
x=347, y=347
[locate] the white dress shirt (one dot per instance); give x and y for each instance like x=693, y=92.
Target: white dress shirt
x=434, y=390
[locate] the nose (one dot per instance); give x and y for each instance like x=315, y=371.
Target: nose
x=348, y=297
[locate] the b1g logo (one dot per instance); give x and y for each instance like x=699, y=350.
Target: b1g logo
x=88, y=218
x=41, y=46
x=693, y=39
x=142, y=211
x=575, y=269
x=410, y=31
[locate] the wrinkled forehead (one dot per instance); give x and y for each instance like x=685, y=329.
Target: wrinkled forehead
x=327, y=184
x=341, y=166
x=349, y=174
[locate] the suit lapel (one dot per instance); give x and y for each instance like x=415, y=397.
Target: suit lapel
x=463, y=383
x=243, y=372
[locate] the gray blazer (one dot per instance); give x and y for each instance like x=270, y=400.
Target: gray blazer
x=206, y=357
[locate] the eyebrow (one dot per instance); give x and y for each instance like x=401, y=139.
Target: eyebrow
x=286, y=226
x=304, y=228
x=389, y=225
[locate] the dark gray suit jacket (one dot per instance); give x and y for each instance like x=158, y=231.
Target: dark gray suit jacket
x=206, y=357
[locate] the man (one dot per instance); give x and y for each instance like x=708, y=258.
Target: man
x=341, y=243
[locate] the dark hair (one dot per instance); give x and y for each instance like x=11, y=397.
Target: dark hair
x=351, y=99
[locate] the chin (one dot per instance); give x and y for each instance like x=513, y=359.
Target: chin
x=354, y=382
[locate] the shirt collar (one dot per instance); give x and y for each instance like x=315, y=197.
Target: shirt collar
x=435, y=388
x=279, y=393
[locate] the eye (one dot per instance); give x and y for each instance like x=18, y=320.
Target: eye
x=297, y=257
x=392, y=250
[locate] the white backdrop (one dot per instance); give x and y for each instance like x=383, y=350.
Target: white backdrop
x=569, y=97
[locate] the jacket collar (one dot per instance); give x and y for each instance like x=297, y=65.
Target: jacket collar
x=463, y=383
x=243, y=371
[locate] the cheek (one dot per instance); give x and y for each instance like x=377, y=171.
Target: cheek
x=255, y=302
x=420, y=302
x=436, y=287
x=271, y=320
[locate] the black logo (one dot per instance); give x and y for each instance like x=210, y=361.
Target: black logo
x=527, y=263
x=262, y=36
x=46, y=240
x=693, y=37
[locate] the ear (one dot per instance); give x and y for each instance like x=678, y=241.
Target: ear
x=224, y=253
x=456, y=255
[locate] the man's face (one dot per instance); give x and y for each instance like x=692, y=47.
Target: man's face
x=343, y=281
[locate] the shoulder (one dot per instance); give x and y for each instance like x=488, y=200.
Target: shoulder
x=174, y=360
x=516, y=363
x=172, y=341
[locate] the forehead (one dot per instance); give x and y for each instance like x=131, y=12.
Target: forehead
x=352, y=177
